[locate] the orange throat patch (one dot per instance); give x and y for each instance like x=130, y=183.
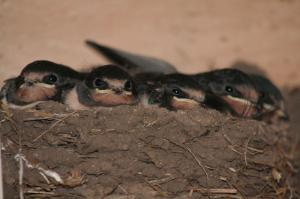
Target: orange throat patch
x=241, y=107
x=35, y=93
x=183, y=103
x=109, y=98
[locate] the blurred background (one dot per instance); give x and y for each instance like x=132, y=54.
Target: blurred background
x=194, y=35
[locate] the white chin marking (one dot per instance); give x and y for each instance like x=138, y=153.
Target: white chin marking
x=14, y=106
x=144, y=100
x=72, y=101
x=40, y=85
x=127, y=92
x=269, y=107
x=239, y=99
x=185, y=100
x=107, y=91
x=45, y=85
x=281, y=113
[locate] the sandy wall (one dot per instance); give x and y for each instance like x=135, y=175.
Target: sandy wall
x=195, y=35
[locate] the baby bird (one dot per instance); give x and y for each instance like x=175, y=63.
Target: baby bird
x=39, y=81
x=227, y=90
x=177, y=92
x=143, y=69
x=271, y=101
x=104, y=86
x=230, y=90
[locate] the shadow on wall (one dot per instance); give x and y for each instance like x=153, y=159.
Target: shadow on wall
x=248, y=68
x=292, y=97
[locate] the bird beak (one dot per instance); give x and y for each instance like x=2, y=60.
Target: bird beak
x=268, y=107
x=36, y=83
x=106, y=91
x=240, y=106
x=45, y=85
x=241, y=100
x=183, y=103
x=109, y=91
x=283, y=115
x=127, y=93
x=280, y=113
x=186, y=100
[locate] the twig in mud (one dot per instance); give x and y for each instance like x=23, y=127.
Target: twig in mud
x=193, y=155
x=8, y=117
x=290, y=189
x=219, y=193
x=21, y=168
x=157, y=189
x=246, y=150
x=246, y=147
x=222, y=196
x=227, y=139
x=53, y=125
x=231, y=147
x=198, y=161
x=45, y=177
x=123, y=189
x=216, y=191
x=12, y=122
x=295, y=145
x=238, y=188
x=21, y=175
x=31, y=191
x=162, y=181
x=46, y=172
x=255, y=149
x=291, y=166
x=38, y=119
x=47, y=117
x=1, y=173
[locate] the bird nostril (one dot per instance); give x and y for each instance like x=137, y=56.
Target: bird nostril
x=285, y=118
x=117, y=91
x=29, y=83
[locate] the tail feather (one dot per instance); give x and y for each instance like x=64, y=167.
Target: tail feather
x=133, y=63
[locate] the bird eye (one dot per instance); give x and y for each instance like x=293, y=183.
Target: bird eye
x=128, y=85
x=50, y=79
x=176, y=92
x=100, y=84
x=229, y=89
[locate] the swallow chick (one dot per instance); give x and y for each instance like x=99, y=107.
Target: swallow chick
x=230, y=90
x=271, y=101
x=178, y=92
x=104, y=86
x=133, y=63
x=39, y=81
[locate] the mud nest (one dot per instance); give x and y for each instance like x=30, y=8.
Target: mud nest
x=136, y=152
